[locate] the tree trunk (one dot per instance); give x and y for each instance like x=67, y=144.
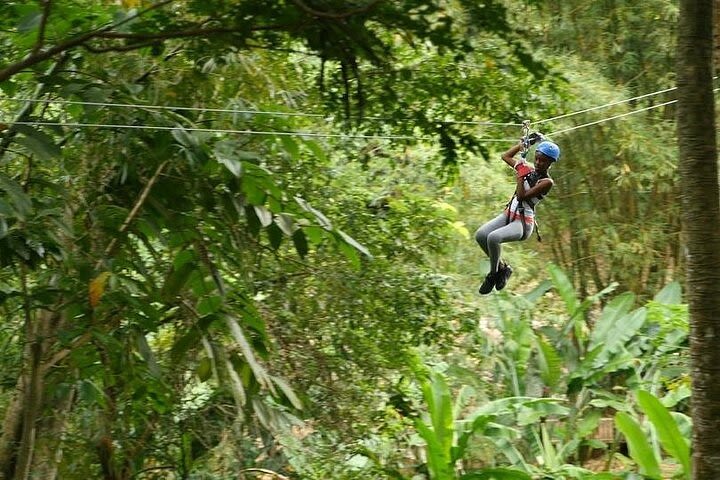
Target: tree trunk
x=49, y=450
x=716, y=35
x=701, y=209
x=12, y=432
x=23, y=423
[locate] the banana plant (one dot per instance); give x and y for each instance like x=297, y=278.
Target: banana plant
x=582, y=356
x=447, y=436
x=661, y=423
x=503, y=423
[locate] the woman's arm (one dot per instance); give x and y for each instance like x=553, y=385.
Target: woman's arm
x=509, y=156
x=542, y=187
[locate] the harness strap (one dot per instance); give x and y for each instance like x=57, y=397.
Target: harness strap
x=520, y=209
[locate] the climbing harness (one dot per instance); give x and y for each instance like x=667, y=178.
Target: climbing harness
x=531, y=178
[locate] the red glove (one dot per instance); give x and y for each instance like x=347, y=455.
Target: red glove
x=522, y=169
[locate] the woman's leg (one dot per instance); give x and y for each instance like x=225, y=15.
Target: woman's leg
x=482, y=233
x=511, y=232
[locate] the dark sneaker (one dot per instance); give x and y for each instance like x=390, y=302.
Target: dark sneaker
x=503, y=276
x=488, y=284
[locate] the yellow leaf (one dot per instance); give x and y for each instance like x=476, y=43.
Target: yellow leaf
x=461, y=228
x=128, y=4
x=97, y=288
x=445, y=206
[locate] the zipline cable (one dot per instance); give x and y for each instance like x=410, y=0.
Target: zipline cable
x=244, y=132
x=611, y=104
x=318, y=115
x=330, y=135
x=231, y=110
x=614, y=117
x=164, y=107
x=607, y=105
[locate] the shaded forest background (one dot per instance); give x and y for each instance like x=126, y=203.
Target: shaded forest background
x=191, y=290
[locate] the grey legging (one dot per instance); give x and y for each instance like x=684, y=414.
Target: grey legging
x=498, y=231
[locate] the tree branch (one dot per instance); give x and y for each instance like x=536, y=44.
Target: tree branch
x=47, y=4
x=335, y=15
x=136, y=209
x=150, y=469
x=39, y=56
x=266, y=472
x=119, y=48
x=143, y=39
x=192, y=32
x=26, y=111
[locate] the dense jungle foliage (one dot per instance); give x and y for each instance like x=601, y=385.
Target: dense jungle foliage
x=191, y=289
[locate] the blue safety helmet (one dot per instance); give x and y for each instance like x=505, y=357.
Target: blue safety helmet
x=549, y=149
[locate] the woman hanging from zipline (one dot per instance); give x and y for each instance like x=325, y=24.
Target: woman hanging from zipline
x=517, y=222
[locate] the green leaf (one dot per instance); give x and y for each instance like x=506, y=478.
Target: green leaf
x=439, y=434
x=258, y=370
x=610, y=316
x=183, y=137
x=210, y=304
x=21, y=202
x=5, y=209
x=111, y=217
x=254, y=194
x=351, y=254
x=536, y=293
x=478, y=425
x=30, y=22
x=300, y=243
x=204, y=369
x=497, y=474
x=225, y=154
x=322, y=219
x=314, y=234
x=286, y=224
x=291, y=147
x=147, y=354
x=549, y=454
x=441, y=411
x=232, y=164
x=671, y=294
x=351, y=241
x=253, y=222
x=236, y=384
x=588, y=423
x=191, y=338
x=264, y=215
x=274, y=204
x=288, y=392
x=183, y=257
x=275, y=236
x=317, y=150
x=615, y=326
x=531, y=411
x=91, y=394
x=640, y=449
x=549, y=362
x=666, y=428
x=176, y=280
x=39, y=143
x=438, y=461
x=565, y=288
